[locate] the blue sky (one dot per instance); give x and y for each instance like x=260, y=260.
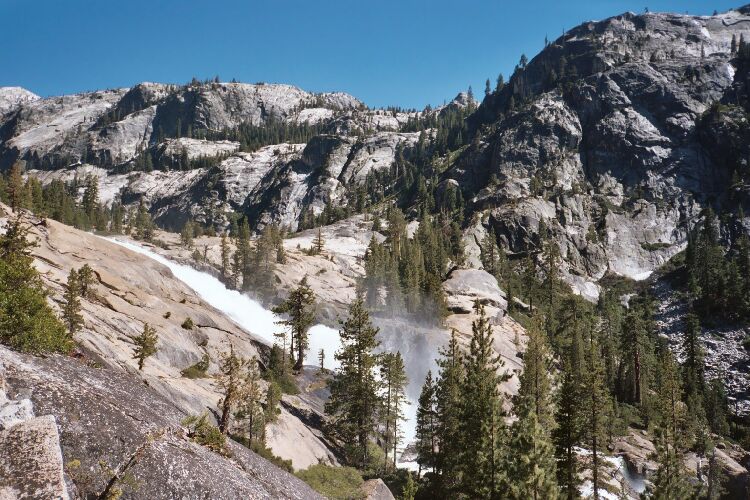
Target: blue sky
x=407, y=53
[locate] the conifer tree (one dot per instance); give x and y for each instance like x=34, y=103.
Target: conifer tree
x=27, y=323
x=224, y=256
x=229, y=381
x=393, y=382
x=353, y=403
x=86, y=281
x=426, y=426
x=15, y=187
x=482, y=415
x=530, y=459
x=596, y=411
x=90, y=201
x=567, y=435
x=299, y=306
x=670, y=480
x=145, y=345
x=72, y=309
x=318, y=243
x=322, y=358
x=449, y=397
x=250, y=405
x=693, y=371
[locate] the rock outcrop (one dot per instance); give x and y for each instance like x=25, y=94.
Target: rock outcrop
x=118, y=434
x=31, y=463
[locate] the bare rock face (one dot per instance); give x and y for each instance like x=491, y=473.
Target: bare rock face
x=118, y=433
x=609, y=155
x=13, y=97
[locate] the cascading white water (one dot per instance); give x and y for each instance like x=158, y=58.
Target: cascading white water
x=254, y=318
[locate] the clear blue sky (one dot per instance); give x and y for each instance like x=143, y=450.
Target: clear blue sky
x=386, y=52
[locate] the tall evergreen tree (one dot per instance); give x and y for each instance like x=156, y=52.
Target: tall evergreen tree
x=449, y=396
x=354, y=400
x=596, y=412
x=14, y=187
x=72, y=308
x=567, y=436
x=300, y=307
x=482, y=416
x=530, y=459
x=426, y=426
x=225, y=255
x=393, y=385
x=250, y=405
x=671, y=479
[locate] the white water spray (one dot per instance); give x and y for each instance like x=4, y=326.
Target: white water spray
x=257, y=320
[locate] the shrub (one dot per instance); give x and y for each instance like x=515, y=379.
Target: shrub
x=198, y=370
x=167, y=315
x=336, y=483
x=188, y=323
x=205, y=434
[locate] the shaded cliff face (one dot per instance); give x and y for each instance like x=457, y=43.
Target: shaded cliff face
x=600, y=141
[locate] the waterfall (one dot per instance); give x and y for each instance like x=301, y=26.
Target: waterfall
x=261, y=322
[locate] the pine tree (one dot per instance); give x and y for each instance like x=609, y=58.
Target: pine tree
x=534, y=393
x=567, y=435
x=250, y=405
x=482, y=415
x=318, y=243
x=596, y=411
x=449, y=397
x=72, y=309
x=27, y=323
x=353, y=403
x=322, y=359
x=670, y=480
x=299, y=306
x=86, y=281
x=90, y=200
x=530, y=460
x=693, y=366
x=426, y=426
x=145, y=345
x=229, y=382
x=15, y=187
x=224, y=256
x=393, y=382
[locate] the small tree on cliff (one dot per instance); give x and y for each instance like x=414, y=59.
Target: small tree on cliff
x=145, y=345
x=71, y=311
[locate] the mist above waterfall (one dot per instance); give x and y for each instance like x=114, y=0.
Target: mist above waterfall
x=417, y=342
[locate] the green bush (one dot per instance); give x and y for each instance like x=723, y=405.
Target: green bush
x=205, y=434
x=188, y=323
x=336, y=483
x=198, y=370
